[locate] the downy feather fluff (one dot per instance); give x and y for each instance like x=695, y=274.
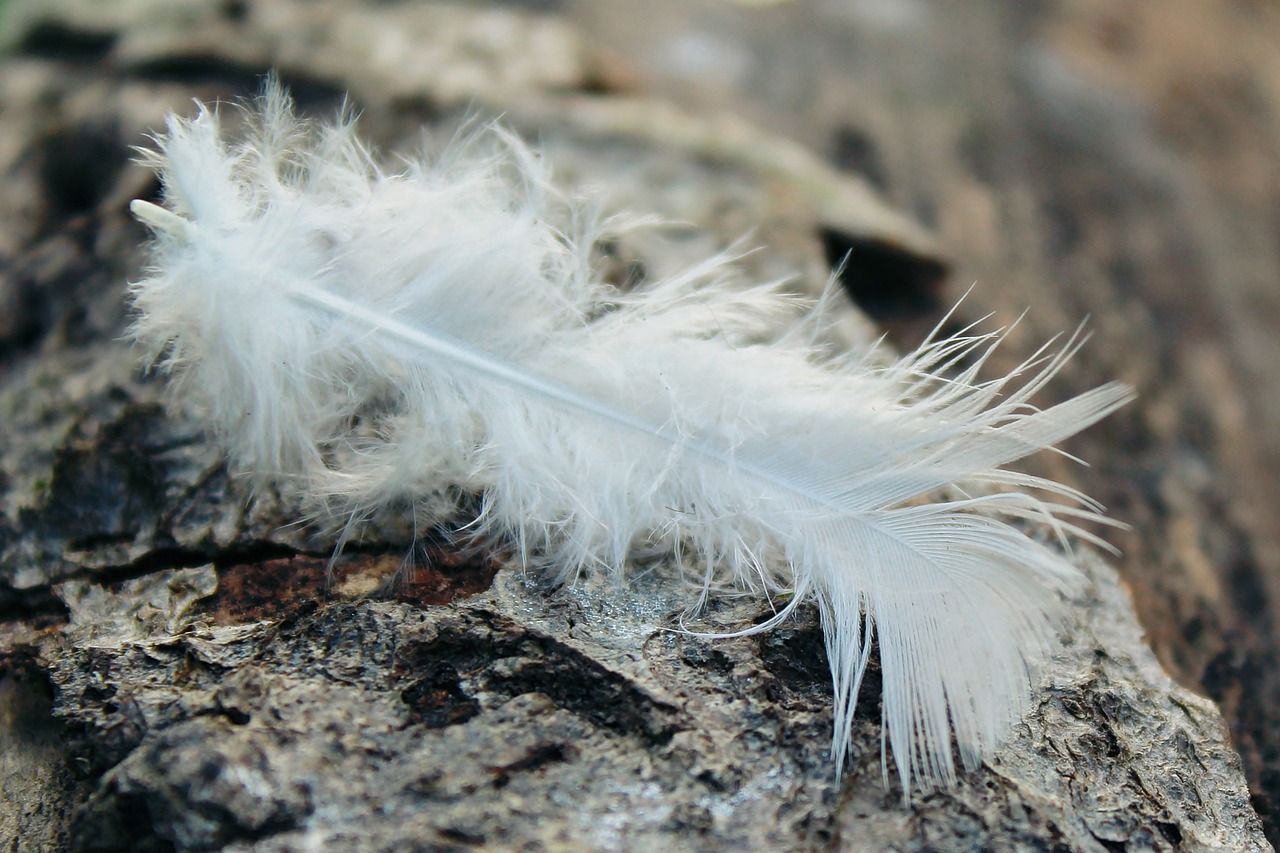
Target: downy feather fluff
x=369, y=336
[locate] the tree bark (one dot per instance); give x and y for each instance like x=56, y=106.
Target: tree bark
x=185, y=673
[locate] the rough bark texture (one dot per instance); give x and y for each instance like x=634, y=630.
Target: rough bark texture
x=180, y=674
x=1077, y=157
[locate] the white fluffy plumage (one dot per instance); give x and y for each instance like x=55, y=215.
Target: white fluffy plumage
x=368, y=338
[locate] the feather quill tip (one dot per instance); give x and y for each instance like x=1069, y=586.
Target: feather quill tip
x=372, y=338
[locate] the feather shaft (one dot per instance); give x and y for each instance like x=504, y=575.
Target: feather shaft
x=438, y=344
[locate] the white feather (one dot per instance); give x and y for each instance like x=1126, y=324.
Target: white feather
x=369, y=338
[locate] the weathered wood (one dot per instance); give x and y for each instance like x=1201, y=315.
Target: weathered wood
x=1070, y=156
x=1077, y=158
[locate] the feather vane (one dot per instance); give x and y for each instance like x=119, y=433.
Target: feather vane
x=368, y=338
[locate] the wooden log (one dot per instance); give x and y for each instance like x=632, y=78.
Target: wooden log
x=214, y=691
